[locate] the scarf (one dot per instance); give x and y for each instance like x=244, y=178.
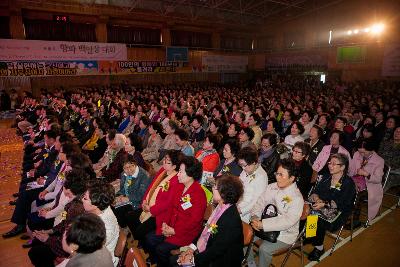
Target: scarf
x=205, y=235
x=266, y=154
x=205, y=153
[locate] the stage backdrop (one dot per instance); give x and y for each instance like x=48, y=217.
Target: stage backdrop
x=17, y=50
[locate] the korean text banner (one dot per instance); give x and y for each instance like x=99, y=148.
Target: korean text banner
x=48, y=68
x=77, y=68
x=215, y=63
x=17, y=50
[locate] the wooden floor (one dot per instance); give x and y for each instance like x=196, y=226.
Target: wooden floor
x=378, y=245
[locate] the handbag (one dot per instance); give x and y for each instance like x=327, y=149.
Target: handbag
x=270, y=211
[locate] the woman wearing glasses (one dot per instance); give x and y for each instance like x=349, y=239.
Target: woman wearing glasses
x=332, y=200
x=254, y=179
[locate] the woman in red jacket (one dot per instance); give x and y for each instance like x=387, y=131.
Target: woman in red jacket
x=209, y=157
x=157, y=201
x=185, y=222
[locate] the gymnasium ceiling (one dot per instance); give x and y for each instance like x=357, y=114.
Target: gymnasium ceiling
x=222, y=12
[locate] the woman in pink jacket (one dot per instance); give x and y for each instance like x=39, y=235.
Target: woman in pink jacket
x=320, y=164
x=366, y=168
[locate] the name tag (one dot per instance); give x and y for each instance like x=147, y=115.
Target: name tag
x=186, y=205
x=311, y=226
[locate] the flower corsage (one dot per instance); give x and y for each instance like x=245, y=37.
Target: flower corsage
x=212, y=228
x=286, y=200
x=165, y=186
x=226, y=169
x=186, y=198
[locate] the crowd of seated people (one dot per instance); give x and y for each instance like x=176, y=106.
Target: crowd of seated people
x=151, y=159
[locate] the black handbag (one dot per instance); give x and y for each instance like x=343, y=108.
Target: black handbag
x=269, y=212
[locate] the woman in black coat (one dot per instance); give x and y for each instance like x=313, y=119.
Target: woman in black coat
x=221, y=242
x=332, y=200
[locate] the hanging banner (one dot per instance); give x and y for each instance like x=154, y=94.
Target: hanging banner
x=391, y=61
x=296, y=59
x=15, y=50
x=79, y=68
x=47, y=68
x=228, y=64
x=132, y=67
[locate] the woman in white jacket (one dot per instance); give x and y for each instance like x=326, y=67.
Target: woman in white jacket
x=254, y=179
x=288, y=200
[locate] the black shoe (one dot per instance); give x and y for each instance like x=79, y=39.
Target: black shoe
x=315, y=254
x=28, y=244
x=24, y=237
x=13, y=202
x=19, y=229
x=16, y=194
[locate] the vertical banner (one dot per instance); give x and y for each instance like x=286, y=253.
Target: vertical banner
x=391, y=61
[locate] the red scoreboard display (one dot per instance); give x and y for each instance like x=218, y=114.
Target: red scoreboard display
x=61, y=18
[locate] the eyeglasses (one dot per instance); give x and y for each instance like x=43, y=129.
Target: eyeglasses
x=243, y=165
x=278, y=174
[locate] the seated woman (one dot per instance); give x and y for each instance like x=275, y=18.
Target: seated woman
x=229, y=165
x=336, y=139
x=296, y=131
x=304, y=171
x=133, y=146
x=169, y=142
x=84, y=240
x=97, y=200
x=289, y=203
x=133, y=184
x=186, y=218
x=157, y=200
x=315, y=142
x=332, y=199
x=150, y=153
x=366, y=169
x=182, y=140
x=66, y=154
x=46, y=218
x=390, y=152
x=268, y=155
x=111, y=164
x=254, y=179
x=97, y=145
x=209, y=157
x=221, y=242
x=246, y=134
x=45, y=252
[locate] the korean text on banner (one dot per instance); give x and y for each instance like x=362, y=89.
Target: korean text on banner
x=24, y=50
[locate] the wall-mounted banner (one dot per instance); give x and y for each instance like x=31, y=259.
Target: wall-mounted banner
x=132, y=67
x=16, y=50
x=227, y=64
x=391, y=61
x=296, y=59
x=48, y=68
x=77, y=68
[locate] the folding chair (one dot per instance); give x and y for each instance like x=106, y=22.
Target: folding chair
x=134, y=258
x=337, y=236
x=121, y=249
x=248, y=235
x=295, y=245
x=299, y=239
x=389, y=174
